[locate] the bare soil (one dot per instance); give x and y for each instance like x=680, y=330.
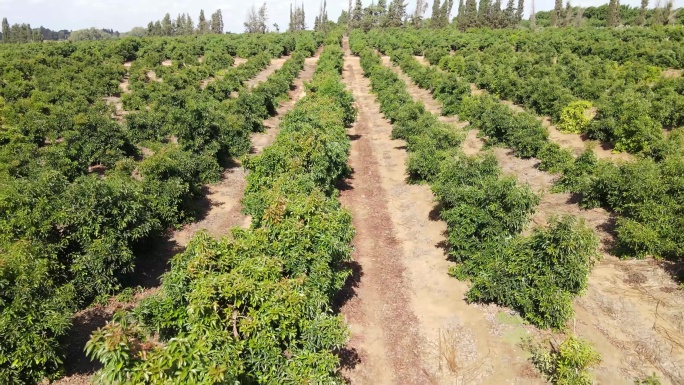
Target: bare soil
x=632, y=310
x=119, y=112
x=672, y=73
x=409, y=321
x=152, y=76
x=275, y=65
x=220, y=210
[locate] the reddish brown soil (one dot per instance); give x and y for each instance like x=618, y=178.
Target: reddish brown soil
x=631, y=311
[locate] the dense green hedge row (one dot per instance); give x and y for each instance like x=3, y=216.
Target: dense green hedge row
x=644, y=193
x=485, y=213
x=446, y=87
x=632, y=99
x=68, y=235
x=659, y=46
x=254, y=308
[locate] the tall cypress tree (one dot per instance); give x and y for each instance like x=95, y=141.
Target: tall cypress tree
x=446, y=11
x=219, y=22
x=357, y=14
x=509, y=14
x=470, y=14
x=178, y=26
x=460, y=16
x=533, y=17
x=520, y=10
x=157, y=28
x=667, y=14
x=202, y=25
x=641, y=19
x=5, y=31
x=166, y=26
x=612, y=20
x=435, y=18
x=569, y=15
x=483, y=13
x=495, y=16
x=555, y=15
x=189, y=25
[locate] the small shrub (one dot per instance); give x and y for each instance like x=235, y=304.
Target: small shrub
x=574, y=118
x=566, y=364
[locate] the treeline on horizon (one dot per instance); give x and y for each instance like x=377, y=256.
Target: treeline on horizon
x=23, y=33
x=469, y=14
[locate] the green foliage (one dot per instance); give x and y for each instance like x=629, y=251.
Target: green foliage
x=480, y=208
x=573, y=118
x=448, y=88
x=256, y=307
x=537, y=275
x=555, y=159
x=522, y=132
x=80, y=192
x=566, y=364
x=648, y=380
x=485, y=213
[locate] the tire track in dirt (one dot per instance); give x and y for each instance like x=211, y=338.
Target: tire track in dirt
x=222, y=211
x=632, y=310
x=408, y=319
x=486, y=351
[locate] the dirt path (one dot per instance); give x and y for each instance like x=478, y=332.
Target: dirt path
x=275, y=65
x=409, y=321
x=238, y=61
x=574, y=142
x=224, y=197
x=221, y=211
x=632, y=310
x=119, y=112
x=264, y=139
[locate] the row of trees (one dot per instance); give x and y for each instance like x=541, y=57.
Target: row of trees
x=19, y=33
x=256, y=306
x=80, y=203
x=297, y=19
x=495, y=14
x=23, y=33
x=470, y=14
x=183, y=25
x=612, y=14
x=617, y=74
x=488, y=14
x=485, y=211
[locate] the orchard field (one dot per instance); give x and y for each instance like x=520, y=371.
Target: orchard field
x=371, y=202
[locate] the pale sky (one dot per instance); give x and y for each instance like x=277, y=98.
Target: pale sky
x=122, y=15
